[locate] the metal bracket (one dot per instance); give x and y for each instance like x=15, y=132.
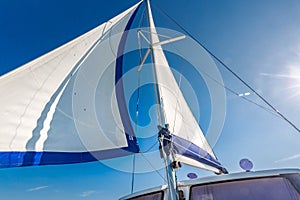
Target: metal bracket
x=154, y=45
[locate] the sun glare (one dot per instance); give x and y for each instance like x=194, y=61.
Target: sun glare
x=290, y=80
x=293, y=82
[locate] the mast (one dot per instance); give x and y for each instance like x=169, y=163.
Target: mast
x=164, y=135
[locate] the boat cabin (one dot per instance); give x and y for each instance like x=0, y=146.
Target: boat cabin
x=261, y=185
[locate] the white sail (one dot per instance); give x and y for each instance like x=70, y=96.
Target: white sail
x=69, y=105
x=175, y=112
x=32, y=96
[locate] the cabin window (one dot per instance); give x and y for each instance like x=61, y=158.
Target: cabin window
x=271, y=188
x=295, y=179
x=152, y=196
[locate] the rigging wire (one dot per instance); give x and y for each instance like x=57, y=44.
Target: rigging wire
x=227, y=88
x=142, y=19
x=230, y=70
x=231, y=90
x=153, y=167
x=137, y=101
x=149, y=32
x=132, y=175
x=138, y=89
x=153, y=145
x=271, y=111
x=137, y=106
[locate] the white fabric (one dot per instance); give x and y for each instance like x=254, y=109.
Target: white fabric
x=195, y=163
x=175, y=109
x=26, y=91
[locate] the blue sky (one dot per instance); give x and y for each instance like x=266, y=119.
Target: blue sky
x=258, y=40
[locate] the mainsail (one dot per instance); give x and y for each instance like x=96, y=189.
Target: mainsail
x=47, y=112
x=187, y=137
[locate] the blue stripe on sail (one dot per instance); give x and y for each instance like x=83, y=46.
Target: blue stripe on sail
x=31, y=158
x=130, y=136
x=190, y=150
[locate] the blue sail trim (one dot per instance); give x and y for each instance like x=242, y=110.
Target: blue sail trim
x=130, y=136
x=190, y=150
x=32, y=158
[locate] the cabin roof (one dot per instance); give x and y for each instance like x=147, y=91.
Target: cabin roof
x=218, y=178
x=239, y=175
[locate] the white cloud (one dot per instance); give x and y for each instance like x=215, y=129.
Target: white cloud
x=288, y=158
x=290, y=76
x=37, y=188
x=87, y=193
x=286, y=83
